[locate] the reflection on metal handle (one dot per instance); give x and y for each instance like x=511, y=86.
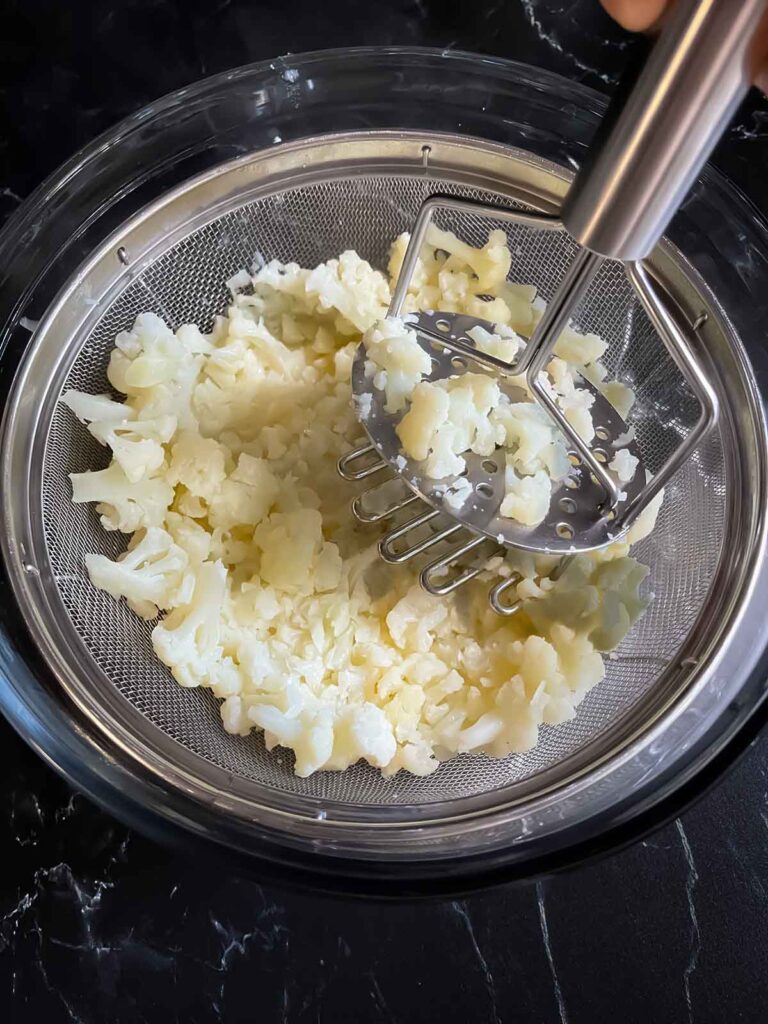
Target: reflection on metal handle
x=698, y=72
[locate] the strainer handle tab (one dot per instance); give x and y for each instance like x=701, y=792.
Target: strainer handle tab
x=698, y=72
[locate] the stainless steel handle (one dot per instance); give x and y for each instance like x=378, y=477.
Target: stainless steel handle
x=697, y=73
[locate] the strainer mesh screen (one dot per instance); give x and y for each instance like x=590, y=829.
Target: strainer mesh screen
x=308, y=224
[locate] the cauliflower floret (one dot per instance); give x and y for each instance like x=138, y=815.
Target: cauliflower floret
x=450, y=417
x=645, y=522
x=528, y=435
x=198, y=463
x=348, y=287
x=520, y=300
x=412, y=620
x=362, y=732
x=621, y=396
x=576, y=407
x=526, y=498
x=395, y=353
x=151, y=574
x=250, y=347
x=351, y=286
x=579, y=349
x=190, y=536
x=457, y=495
x=158, y=369
x=429, y=410
x=294, y=554
x=159, y=351
x=452, y=276
x=136, y=444
x=124, y=505
x=624, y=464
x=99, y=408
x=597, y=599
x=504, y=343
x=310, y=734
x=490, y=264
x=246, y=496
x=188, y=640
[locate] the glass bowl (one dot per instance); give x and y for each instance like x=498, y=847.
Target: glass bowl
x=260, y=117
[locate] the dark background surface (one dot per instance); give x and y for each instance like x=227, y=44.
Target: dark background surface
x=98, y=924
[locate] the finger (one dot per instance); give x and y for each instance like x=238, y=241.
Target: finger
x=635, y=15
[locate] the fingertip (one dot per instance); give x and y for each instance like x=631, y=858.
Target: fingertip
x=635, y=15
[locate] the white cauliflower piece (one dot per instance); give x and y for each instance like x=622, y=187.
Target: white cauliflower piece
x=295, y=557
x=645, y=523
x=351, y=286
x=137, y=445
x=624, y=464
x=159, y=351
x=395, y=351
x=597, y=599
x=151, y=574
x=528, y=434
x=99, y=408
x=490, y=264
x=621, y=396
x=447, y=418
x=124, y=505
x=198, y=464
x=526, y=498
x=457, y=495
x=504, y=343
x=188, y=640
x=576, y=407
x=414, y=618
x=246, y=496
x=158, y=369
x=430, y=406
x=190, y=536
x=579, y=349
x=519, y=300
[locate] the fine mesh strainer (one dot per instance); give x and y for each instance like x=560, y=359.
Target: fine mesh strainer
x=162, y=747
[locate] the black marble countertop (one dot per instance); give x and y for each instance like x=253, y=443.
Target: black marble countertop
x=97, y=923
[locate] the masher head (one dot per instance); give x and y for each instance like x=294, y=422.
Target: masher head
x=579, y=517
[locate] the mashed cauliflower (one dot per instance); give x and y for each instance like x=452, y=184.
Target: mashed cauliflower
x=260, y=584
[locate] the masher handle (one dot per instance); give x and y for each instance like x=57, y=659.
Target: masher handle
x=697, y=73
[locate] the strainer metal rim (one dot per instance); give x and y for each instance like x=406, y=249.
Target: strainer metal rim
x=5, y=481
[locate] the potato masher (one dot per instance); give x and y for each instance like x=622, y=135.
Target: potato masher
x=617, y=208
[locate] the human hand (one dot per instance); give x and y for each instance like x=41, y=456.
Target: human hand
x=636, y=15
x=642, y=15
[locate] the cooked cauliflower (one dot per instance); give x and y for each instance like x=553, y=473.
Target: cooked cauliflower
x=269, y=594
x=151, y=574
